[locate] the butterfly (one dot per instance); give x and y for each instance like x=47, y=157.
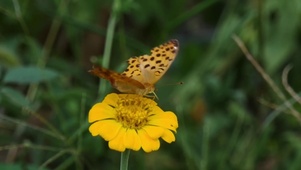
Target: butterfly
x=142, y=72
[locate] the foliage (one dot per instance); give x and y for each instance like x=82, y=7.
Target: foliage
x=230, y=117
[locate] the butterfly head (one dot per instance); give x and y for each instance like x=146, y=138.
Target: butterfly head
x=148, y=88
x=148, y=91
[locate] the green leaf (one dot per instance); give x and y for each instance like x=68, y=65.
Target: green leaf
x=27, y=75
x=8, y=58
x=281, y=34
x=19, y=166
x=15, y=96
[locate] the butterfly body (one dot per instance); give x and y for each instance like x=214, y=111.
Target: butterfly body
x=142, y=72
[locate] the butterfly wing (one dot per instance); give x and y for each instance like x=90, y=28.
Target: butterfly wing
x=148, y=69
x=142, y=72
x=133, y=70
x=155, y=66
x=120, y=82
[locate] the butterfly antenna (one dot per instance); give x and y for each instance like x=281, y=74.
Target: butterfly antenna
x=172, y=84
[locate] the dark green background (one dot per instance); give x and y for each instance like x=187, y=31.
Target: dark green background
x=229, y=117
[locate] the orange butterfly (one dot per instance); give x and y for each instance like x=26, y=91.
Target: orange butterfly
x=143, y=72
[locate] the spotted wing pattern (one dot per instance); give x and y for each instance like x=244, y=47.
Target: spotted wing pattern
x=143, y=72
x=150, y=68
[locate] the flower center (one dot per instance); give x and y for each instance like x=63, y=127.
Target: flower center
x=133, y=111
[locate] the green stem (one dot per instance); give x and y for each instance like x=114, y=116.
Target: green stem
x=124, y=159
x=109, y=41
x=49, y=43
x=19, y=16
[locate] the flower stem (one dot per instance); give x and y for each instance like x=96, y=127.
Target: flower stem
x=124, y=159
x=109, y=41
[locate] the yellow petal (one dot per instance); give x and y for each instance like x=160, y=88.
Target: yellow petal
x=101, y=111
x=111, y=99
x=156, y=110
x=117, y=143
x=94, y=128
x=167, y=120
x=151, y=102
x=164, y=115
x=154, y=132
x=108, y=129
x=148, y=144
x=168, y=136
x=163, y=123
x=131, y=140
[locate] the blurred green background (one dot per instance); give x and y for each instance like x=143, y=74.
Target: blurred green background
x=229, y=116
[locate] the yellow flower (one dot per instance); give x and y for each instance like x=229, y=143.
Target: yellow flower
x=130, y=121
